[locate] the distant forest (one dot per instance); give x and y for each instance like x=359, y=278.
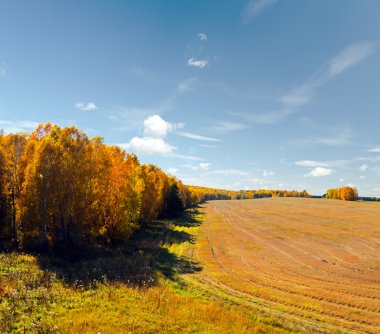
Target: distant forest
x=59, y=188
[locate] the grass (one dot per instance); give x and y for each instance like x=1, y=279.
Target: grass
x=135, y=289
x=257, y=266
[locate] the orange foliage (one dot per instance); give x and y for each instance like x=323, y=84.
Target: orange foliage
x=60, y=188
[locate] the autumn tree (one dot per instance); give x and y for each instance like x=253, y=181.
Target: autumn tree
x=60, y=189
x=12, y=156
x=344, y=193
x=152, y=196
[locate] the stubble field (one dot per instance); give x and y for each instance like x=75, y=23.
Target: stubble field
x=281, y=265
x=312, y=264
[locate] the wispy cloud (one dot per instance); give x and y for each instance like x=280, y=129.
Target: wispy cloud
x=311, y=163
x=319, y=171
x=270, y=117
x=229, y=172
x=89, y=106
x=375, y=149
x=349, y=57
x=254, y=7
x=228, y=126
x=11, y=126
x=129, y=118
x=202, y=36
x=352, y=164
x=332, y=137
x=199, y=63
x=185, y=157
x=3, y=72
x=144, y=74
x=267, y=173
x=292, y=102
x=186, y=85
x=197, y=137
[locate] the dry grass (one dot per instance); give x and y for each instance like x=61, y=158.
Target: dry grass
x=312, y=264
x=138, y=290
x=254, y=266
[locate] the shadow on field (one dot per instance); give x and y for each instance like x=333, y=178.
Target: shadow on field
x=137, y=263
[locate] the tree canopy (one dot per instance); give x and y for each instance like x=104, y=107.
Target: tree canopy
x=60, y=188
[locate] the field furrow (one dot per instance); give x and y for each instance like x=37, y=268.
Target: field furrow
x=298, y=259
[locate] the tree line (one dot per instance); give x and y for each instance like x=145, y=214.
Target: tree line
x=60, y=188
x=343, y=193
x=220, y=194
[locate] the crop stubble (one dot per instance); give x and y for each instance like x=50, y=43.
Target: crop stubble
x=313, y=264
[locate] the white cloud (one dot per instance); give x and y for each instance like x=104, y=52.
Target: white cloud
x=17, y=126
x=319, y=171
x=149, y=146
x=208, y=145
x=375, y=149
x=202, y=36
x=157, y=127
x=153, y=141
x=227, y=126
x=204, y=165
x=90, y=106
x=230, y=172
x=254, y=7
x=186, y=157
x=200, y=63
x=311, y=163
x=363, y=168
x=362, y=177
x=197, y=137
x=267, y=173
x=351, y=56
x=200, y=166
x=172, y=170
x=341, y=180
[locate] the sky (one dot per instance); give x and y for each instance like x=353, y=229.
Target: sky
x=243, y=94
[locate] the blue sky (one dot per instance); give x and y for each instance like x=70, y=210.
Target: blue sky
x=231, y=94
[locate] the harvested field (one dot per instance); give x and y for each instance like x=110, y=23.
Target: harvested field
x=312, y=264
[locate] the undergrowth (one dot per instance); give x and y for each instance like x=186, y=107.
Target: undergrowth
x=137, y=289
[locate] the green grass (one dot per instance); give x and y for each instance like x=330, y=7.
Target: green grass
x=134, y=289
